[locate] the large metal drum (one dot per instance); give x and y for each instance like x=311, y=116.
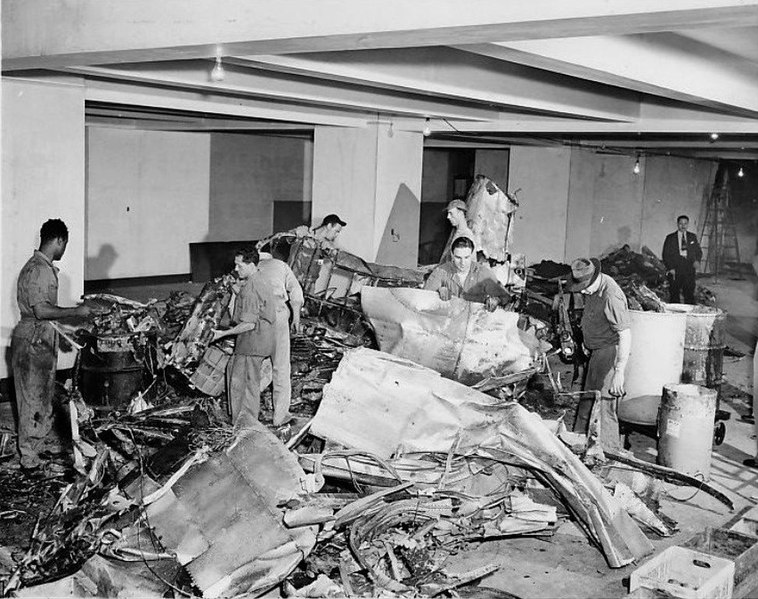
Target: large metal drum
x=655, y=360
x=703, y=362
x=114, y=368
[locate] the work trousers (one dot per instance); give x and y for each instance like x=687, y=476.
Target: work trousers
x=243, y=388
x=755, y=397
x=34, y=352
x=599, y=376
x=682, y=284
x=280, y=362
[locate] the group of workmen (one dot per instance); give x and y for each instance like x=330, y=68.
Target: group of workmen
x=267, y=305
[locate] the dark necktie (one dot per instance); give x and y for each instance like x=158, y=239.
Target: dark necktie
x=682, y=243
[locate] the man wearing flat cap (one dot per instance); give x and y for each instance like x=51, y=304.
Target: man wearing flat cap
x=456, y=211
x=608, y=337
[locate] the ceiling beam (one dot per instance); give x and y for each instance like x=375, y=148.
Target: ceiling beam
x=456, y=76
x=685, y=69
x=56, y=33
x=200, y=102
x=254, y=83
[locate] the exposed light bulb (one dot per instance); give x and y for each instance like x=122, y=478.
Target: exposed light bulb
x=714, y=136
x=427, y=129
x=740, y=173
x=636, y=169
x=218, y=74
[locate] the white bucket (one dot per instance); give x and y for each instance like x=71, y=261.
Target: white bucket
x=655, y=360
x=685, y=428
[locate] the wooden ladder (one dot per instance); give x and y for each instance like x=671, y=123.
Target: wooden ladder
x=718, y=234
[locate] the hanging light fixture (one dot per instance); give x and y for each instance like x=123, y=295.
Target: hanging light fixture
x=636, y=169
x=390, y=130
x=217, y=73
x=714, y=136
x=427, y=128
x=740, y=173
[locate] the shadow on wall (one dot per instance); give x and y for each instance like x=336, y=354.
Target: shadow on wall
x=98, y=267
x=399, y=244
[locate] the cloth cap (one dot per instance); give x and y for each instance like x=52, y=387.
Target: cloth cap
x=333, y=219
x=584, y=272
x=460, y=204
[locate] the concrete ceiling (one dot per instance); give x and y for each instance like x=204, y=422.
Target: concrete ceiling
x=646, y=77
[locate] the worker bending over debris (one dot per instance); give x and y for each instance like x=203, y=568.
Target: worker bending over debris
x=463, y=277
x=326, y=233
x=278, y=276
x=34, y=344
x=253, y=321
x=608, y=337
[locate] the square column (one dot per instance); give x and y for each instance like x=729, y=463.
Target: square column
x=371, y=178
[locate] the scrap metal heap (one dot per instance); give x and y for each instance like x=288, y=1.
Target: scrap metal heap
x=399, y=470
x=401, y=458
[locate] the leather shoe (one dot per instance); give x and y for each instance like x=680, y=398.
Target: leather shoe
x=750, y=462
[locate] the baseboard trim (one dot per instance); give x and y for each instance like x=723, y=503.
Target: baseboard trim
x=95, y=285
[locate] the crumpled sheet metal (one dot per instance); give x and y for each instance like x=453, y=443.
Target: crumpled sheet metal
x=488, y=212
x=101, y=577
x=381, y=403
x=222, y=519
x=459, y=339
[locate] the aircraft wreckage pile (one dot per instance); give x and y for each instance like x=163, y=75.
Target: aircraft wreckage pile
x=396, y=469
x=400, y=458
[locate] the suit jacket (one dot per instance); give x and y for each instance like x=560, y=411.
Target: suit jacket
x=671, y=256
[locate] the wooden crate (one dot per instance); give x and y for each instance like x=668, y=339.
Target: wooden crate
x=686, y=573
x=729, y=544
x=745, y=522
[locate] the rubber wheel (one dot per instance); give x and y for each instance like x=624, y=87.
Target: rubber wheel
x=719, y=432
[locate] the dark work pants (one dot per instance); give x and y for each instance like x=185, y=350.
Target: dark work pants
x=34, y=354
x=682, y=284
x=599, y=375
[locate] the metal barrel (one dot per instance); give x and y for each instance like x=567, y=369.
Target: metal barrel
x=114, y=367
x=703, y=362
x=685, y=428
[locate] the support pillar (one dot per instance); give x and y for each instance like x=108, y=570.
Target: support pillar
x=371, y=178
x=42, y=177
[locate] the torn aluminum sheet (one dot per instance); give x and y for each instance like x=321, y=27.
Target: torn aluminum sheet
x=489, y=215
x=459, y=339
x=384, y=404
x=222, y=519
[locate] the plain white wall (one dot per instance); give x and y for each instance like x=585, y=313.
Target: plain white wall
x=42, y=178
x=542, y=174
x=576, y=202
x=147, y=199
x=248, y=173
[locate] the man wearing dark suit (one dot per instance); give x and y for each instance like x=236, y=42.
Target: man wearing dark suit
x=682, y=255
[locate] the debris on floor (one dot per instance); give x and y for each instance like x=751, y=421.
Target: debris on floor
x=392, y=469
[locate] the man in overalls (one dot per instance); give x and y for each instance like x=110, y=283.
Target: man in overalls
x=34, y=344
